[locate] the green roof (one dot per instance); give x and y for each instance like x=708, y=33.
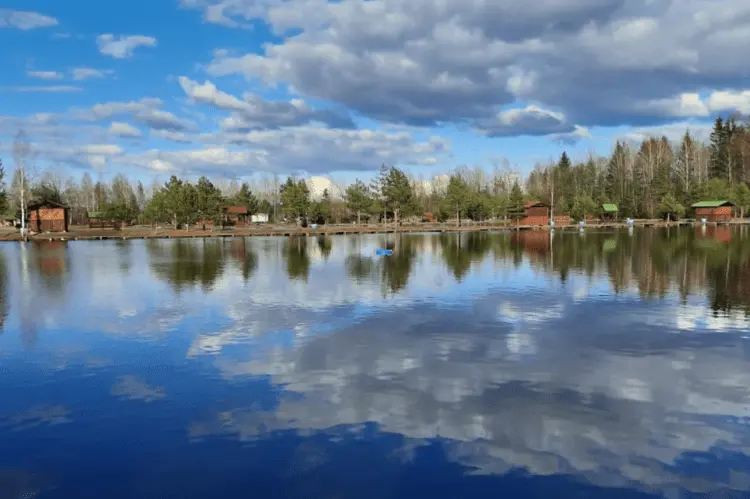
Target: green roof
x=712, y=204
x=609, y=207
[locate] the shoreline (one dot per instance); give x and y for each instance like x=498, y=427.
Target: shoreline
x=144, y=232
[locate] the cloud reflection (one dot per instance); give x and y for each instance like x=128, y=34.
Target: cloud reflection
x=133, y=388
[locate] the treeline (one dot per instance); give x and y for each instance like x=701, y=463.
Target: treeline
x=654, y=179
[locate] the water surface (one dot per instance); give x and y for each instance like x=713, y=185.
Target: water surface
x=595, y=364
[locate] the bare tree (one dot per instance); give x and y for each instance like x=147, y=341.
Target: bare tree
x=21, y=153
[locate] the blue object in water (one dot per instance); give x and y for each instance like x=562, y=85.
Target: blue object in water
x=630, y=221
x=581, y=223
x=383, y=252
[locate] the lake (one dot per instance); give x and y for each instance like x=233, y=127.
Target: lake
x=487, y=365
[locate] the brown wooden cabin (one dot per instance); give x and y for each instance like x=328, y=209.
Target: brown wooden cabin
x=48, y=216
x=428, y=217
x=535, y=213
x=714, y=211
x=236, y=215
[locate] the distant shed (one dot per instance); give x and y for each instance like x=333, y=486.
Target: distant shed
x=48, y=216
x=236, y=215
x=535, y=213
x=714, y=211
x=609, y=210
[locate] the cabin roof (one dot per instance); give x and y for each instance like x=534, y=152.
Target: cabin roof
x=44, y=204
x=609, y=207
x=236, y=210
x=712, y=204
x=534, y=204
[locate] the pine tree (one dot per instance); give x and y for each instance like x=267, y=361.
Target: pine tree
x=515, y=203
x=719, y=143
x=358, y=198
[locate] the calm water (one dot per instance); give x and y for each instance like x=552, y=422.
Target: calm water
x=604, y=364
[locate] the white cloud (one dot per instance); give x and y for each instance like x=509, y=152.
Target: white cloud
x=25, y=20
x=123, y=46
x=421, y=62
x=180, y=137
x=45, y=75
x=730, y=101
x=80, y=74
x=672, y=131
x=693, y=105
x=124, y=130
x=530, y=120
x=310, y=149
x=145, y=111
x=254, y=112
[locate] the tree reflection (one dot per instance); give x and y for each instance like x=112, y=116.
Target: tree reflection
x=325, y=245
x=185, y=263
x=714, y=260
x=359, y=267
x=245, y=257
x=124, y=250
x=396, y=268
x=297, y=258
x=3, y=292
x=461, y=250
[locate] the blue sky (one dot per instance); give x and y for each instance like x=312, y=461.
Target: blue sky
x=241, y=87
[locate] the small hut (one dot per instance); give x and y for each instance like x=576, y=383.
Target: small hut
x=609, y=211
x=714, y=211
x=235, y=215
x=48, y=216
x=535, y=213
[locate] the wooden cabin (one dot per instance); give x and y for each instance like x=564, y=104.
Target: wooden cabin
x=48, y=216
x=714, y=211
x=235, y=215
x=535, y=213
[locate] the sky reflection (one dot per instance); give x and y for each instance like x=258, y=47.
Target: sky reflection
x=597, y=364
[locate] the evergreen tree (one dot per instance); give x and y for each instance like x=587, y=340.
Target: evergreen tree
x=458, y=197
x=358, y=198
x=295, y=198
x=398, y=194
x=719, y=142
x=516, y=207
x=246, y=198
x=208, y=200
x=4, y=204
